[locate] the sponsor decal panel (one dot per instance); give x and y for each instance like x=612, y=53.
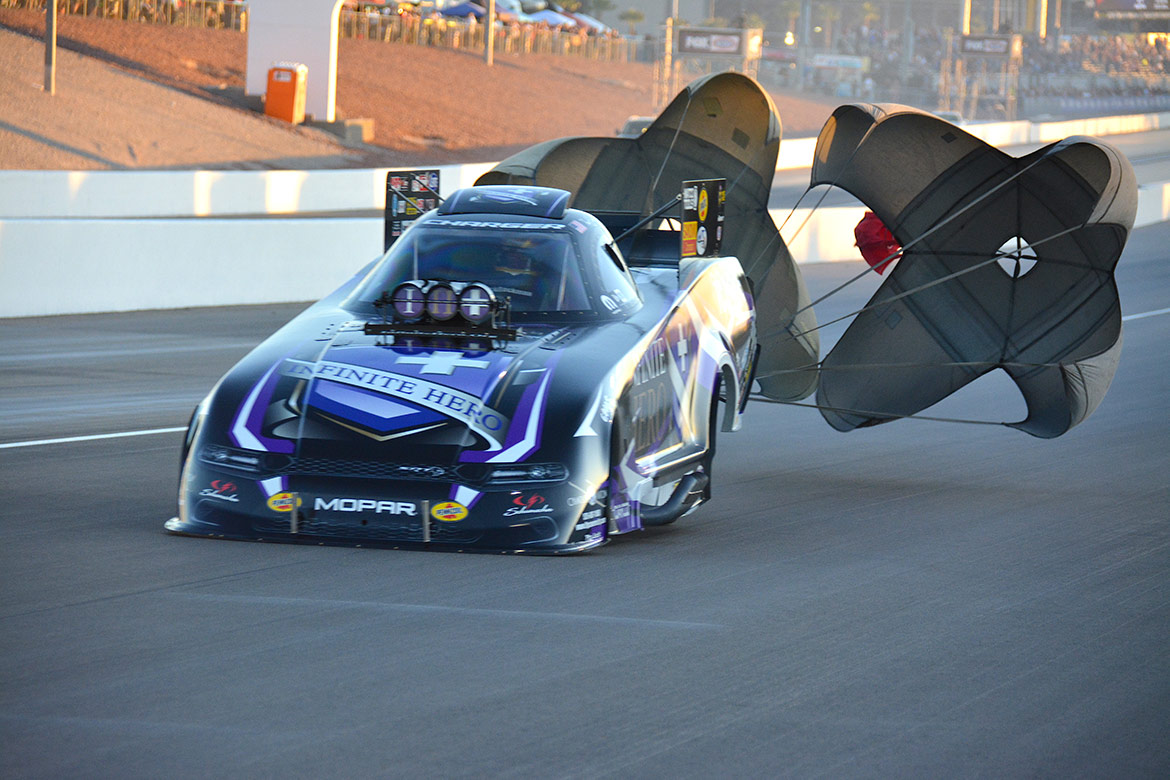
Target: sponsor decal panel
x=702, y=217
x=690, y=239
x=405, y=201
x=337, y=504
x=591, y=519
x=223, y=490
x=449, y=511
x=458, y=405
x=472, y=223
x=653, y=363
x=592, y=499
x=527, y=505
x=283, y=502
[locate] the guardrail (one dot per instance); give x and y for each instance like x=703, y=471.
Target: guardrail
x=91, y=241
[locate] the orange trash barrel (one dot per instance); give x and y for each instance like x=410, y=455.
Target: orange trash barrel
x=285, y=98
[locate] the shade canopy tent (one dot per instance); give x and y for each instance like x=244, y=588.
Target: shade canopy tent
x=463, y=10
x=552, y=18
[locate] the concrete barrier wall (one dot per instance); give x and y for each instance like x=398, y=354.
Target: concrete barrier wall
x=62, y=195
x=78, y=242
x=85, y=265
x=798, y=152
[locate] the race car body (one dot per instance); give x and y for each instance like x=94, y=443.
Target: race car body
x=501, y=379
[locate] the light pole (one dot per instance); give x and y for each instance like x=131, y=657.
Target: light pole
x=51, y=47
x=489, y=33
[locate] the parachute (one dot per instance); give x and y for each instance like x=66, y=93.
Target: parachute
x=1007, y=263
x=721, y=126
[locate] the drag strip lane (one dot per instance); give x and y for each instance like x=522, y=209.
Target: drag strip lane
x=911, y=599
x=64, y=377
x=125, y=434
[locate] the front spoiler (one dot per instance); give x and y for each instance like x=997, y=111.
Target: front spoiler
x=211, y=531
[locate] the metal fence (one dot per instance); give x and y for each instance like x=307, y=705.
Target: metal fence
x=469, y=34
x=412, y=29
x=217, y=14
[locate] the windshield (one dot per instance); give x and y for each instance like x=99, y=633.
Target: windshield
x=534, y=266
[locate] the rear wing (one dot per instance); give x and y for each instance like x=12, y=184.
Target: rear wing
x=652, y=241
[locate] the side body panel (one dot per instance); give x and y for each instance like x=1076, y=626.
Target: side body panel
x=666, y=404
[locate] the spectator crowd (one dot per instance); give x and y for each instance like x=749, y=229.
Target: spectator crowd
x=1060, y=65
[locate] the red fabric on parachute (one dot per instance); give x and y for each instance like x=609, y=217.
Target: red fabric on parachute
x=875, y=242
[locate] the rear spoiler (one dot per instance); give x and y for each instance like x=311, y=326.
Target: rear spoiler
x=647, y=240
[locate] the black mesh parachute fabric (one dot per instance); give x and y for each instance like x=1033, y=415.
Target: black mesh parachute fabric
x=1008, y=264
x=721, y=126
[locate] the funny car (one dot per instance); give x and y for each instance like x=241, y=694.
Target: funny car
x=501, y=379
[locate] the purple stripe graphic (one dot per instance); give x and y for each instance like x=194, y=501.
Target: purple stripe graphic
x=251, y=414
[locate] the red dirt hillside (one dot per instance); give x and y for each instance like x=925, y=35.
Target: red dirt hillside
x=428, y=104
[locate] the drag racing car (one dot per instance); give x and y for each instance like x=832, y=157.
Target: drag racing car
x=501, y=379
x=542, y=361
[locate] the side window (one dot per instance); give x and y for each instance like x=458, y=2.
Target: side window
x=618, y=291
x=615, y=254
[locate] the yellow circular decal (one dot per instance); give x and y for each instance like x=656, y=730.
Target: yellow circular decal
x=703, y=204
x=449, y=511
x=282, y=502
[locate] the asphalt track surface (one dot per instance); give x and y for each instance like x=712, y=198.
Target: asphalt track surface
x=915, y=600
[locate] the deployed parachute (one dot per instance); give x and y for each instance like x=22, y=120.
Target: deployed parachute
x=721, y=126
x=1007, y=263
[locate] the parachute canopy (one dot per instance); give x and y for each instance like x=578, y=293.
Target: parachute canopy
x=1007, y=263
x=721, y=126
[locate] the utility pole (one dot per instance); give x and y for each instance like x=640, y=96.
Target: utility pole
x=489, y=33
x=51, y=47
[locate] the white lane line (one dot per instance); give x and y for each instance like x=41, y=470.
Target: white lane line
x=96, y=354
x=286, y=601
x=94, y=437
x=1144, y=314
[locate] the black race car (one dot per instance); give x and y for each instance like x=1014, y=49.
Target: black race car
x=500, y=380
